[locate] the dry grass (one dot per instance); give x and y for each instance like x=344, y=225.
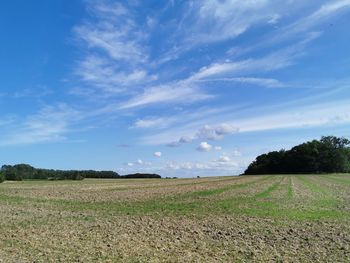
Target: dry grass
x=229, y=219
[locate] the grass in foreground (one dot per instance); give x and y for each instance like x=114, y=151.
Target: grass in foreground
x=249, y=218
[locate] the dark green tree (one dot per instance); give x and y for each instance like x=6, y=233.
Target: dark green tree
x=328, y=155
x=2, y=177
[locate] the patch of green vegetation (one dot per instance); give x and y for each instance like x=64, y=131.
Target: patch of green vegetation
x=343, y=180
x=266, y=193
x=221, y=190
x=193, y=204
x=325, y=202
x=210, y=192
x=274, y=210
x=305, y=180
x=290, y=188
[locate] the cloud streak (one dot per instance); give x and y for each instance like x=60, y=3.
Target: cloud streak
x=48, y=125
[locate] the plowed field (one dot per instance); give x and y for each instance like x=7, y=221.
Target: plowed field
x=270, y=218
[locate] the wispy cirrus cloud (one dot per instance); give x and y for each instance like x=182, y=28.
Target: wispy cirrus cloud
x=107, y=76
x=114, y=32
x=167, y=94
x=119, y=60
x=214, y=20
x=50, y=124
x=116, y=49
x=264, y=82
x=306, y=116
x=274, y=61
x=318, y=17
x=323, y=12
x=191, y=73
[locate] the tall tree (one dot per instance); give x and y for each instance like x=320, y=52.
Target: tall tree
x=328, y=155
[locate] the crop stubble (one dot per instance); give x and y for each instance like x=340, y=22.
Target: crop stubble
x=289, y=218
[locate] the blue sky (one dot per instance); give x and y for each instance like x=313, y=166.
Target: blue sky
x=180, y=88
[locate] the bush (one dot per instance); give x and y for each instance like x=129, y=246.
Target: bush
x=141, y=175
x=328, y=155
x=20, y=172
x=2, y=177
x=12, y=173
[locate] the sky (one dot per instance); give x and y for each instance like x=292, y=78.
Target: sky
x=175, y=87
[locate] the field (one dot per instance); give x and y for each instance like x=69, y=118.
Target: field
x=294, y=218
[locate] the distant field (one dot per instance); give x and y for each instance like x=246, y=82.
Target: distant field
x=289, y=218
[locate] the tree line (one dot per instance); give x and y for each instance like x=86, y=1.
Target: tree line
x=330, y=154
x=20, y=172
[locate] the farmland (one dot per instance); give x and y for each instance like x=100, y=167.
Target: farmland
x=286, y=218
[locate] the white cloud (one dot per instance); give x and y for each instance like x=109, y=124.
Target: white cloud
x=108, y=10
x=218, y=148
x=264, y=82
x=173, y=144
x=293, y=115
x=204, y=147
x=107, y=77
x=236, y=153
x=150, y=123
x=7, y=120
x=173, y=93
x=323, y=13
x=271, y=62
x=180, y=116
x=216, y=133
x=151, y=22
x=207, y=132
x=139, y=161
x=51, y=123
x=224, y=159
x=185, y=139
x=214, y=167
x=215, y=20
x=160, y=122
x=114, y=33
x=306, y=24
x=157, y=154
x=116, y=50
x=274, y=19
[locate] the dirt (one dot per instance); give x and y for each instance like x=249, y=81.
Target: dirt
x=47, y=232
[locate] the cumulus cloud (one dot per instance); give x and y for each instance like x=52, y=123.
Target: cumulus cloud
x=224, y=159
x=216, y=133
x=236, y=153
x=182, y=140
x=204, y=147
x=185, y=139
x=207, y=132
x=218, y=148
x=154, y=122
x=157, y=154
x=148, y=123
x=173, y=144
x=138, y=164
x=217, y=167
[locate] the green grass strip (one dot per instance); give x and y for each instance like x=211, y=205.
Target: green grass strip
x=266, y=193
x=311, y=185
x=221, y=190
x=337, y=179
x=290, y=192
